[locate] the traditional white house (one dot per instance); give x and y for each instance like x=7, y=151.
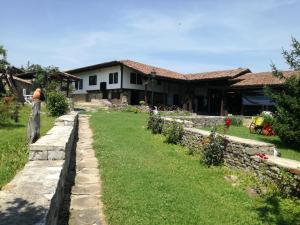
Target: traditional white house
x=127, y=82
x=216, y=93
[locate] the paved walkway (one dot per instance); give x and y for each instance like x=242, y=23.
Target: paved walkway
x=86, y=207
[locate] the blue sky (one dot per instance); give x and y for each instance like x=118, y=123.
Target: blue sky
x=185, y=36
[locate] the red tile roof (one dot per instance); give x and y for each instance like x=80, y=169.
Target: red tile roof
x=148, y=69
x=225, y=74
x=161, y=72
x=260, y=79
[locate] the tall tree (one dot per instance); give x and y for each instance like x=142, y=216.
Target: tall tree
x=3, y=67
x=287, y=101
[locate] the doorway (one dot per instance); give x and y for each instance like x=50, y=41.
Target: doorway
x=103, y=90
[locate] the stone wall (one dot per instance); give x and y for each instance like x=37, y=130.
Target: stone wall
x=203, y=121
x=242, y=153
x=36, y=193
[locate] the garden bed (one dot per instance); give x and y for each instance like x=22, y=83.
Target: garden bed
x=243, y=132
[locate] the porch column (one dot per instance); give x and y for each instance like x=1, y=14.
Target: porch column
x=146, y=90
x=222, y=104
x=68, y=87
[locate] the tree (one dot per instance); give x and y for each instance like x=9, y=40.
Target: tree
x=287, y=101
x=3, y=66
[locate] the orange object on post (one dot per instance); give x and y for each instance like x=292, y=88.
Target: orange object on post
x=37, y=94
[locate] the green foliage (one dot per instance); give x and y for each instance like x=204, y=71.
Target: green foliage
x=287, y=101
x=155, y=124
x=150, y=176
x=9, y=110
x=213, y=151
x=142, y=102
x=57, y=104
x=43, y=75
x=268, y=119
x=236, y=120
x=173, y=132
x=131, y=108
x=13, y=144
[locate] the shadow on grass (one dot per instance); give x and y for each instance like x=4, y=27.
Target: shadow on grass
x=21, y=212
x=272, y=212
x=11, y=125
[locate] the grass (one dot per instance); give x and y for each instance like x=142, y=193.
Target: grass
x=13, y=146
x=146, y=181
x=243, y=132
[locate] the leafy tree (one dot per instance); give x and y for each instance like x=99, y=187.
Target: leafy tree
x=42, y=74
x=3, y=67
x=287, y=100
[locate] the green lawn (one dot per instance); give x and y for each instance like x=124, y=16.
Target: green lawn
x=243, y=132
x=13, y=147
x=146, y=181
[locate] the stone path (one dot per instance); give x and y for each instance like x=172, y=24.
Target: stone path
x=86, y=207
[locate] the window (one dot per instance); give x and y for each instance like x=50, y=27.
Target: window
x=158, y=82
x=133, y=78
x=111, y=78
x=139, y=79
x=79, y=84
x=93, y=80
x=115, y=78
x=136, y=78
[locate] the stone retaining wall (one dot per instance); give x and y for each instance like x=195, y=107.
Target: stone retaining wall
x=203, y=121
x=241, y=153
x=36, y=193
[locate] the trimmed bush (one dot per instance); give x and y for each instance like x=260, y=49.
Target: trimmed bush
x=57, y=104
x=213, y=151
x=155, y=124
x=173, y=132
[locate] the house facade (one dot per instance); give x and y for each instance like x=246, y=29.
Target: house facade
x=212, y=93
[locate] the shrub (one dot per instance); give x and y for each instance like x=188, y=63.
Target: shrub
x=213, y=151
x=131, y=108
x=287, y=101
x=173, y=132
x=155, y=124
x=9, y=110
x=57, y=104
x=142, y=102
x=236, y=120
x=268, y=119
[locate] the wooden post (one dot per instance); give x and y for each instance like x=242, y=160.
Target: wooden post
x=33, y=127
x=68, y=87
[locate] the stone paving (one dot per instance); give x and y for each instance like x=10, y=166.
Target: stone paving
x=86, y=207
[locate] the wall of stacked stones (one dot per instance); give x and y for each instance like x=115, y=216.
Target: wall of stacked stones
x=242, y=154
x=203, y=121
x=41, y=182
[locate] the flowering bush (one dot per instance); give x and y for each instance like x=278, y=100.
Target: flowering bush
x=227, y=122
x=213, y=151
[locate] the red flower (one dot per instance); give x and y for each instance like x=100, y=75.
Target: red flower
x=262, y=155
x=227, y=122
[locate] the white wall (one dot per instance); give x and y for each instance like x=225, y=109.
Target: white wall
x=162, y=88
x=102, y=76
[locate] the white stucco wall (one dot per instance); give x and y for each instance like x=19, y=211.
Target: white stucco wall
x=102, y=76
x=162, y=88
